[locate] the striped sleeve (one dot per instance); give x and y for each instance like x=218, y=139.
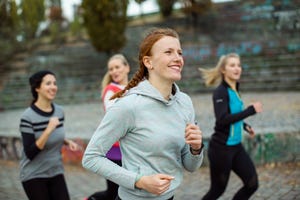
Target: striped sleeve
x=28, y=138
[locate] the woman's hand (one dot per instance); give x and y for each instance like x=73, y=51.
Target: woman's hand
x=257, y=106
x=72, y=145
x=155, y=184
x=52, y=124
x=250, y=131
x=193, y=136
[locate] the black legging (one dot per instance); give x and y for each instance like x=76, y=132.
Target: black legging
x=223, y=159
x=54, y=188
x=110, y=193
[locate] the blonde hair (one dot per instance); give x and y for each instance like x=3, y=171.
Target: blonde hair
x=107, y=78
x=151, y=38
x=214, y=76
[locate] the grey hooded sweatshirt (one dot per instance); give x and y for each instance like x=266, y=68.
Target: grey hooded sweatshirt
x=151, y=132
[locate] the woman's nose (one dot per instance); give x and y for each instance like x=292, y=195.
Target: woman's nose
x=53, y=86
x=177, y=56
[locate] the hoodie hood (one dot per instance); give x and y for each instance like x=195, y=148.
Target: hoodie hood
x=146, y=89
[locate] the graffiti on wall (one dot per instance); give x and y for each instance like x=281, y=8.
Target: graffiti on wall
x=203, y=52
x=11, y=148
x=270, y=147
x=289, y=20
x=285, y=14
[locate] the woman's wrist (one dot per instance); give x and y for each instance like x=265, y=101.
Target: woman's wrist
x=197, y=151
x=137, y=179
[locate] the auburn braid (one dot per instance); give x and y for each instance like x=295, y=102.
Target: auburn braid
x=138, y=77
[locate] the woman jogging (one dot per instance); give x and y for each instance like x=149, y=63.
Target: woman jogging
x=154, y=122
x=226, y=152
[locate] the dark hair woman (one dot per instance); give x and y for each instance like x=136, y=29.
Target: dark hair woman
x=43, y=134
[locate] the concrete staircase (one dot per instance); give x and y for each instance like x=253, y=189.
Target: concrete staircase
x=270, y=59
x=78, y=68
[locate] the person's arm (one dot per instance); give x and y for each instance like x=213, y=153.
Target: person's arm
x=117, y=121
x=192, y=158
x=33, y=146
x=42, y=140
x=221, y=108
x=246, y=127
x=29, y=146
x=191, y=161
x=249, y=130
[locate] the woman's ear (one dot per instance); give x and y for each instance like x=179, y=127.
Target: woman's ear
x=127, y=69
x=147, y=62
x=222, y=70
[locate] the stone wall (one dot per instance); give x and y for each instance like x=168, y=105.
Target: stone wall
x=264, y=148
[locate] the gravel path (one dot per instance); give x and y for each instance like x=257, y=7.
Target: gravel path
x=281, y=114
x=276, y=182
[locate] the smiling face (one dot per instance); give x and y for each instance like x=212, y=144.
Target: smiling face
x=48, y=88
x=232, y=70
x=166, y=62
x=118, y=70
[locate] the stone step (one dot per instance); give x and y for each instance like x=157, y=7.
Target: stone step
x=79, y=68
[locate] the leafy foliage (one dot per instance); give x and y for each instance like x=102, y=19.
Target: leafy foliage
x=8, y=14
x=105, y=22
x=201, y=13
x=9, y=22
x=33, y=12
x=166, y=7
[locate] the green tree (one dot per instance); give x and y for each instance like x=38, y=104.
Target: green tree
x=56, y=19
x=33, y=12
x=9, y=27
x=165, y=7
x=201, y=12
x=140, y=2
x=105, y=22
x=55, y=3
x=8, y=19
x=14, y=15
x=76, y=27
